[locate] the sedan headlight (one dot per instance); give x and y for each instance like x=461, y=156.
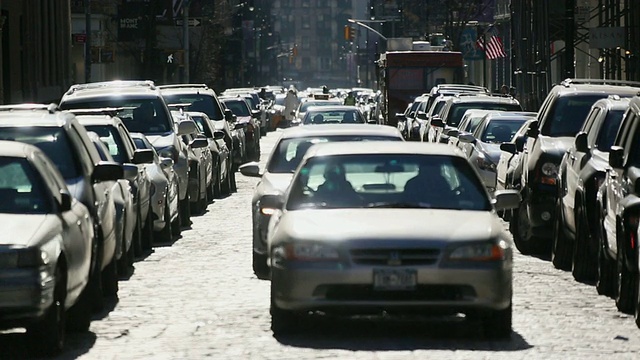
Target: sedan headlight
x=307, y=252
x=489, y=251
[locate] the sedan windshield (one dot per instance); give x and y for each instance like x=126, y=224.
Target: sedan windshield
x=569, y=114
x=458, y=110
x=238, y=107
x=289, y=152
x=333, y=117
x=199, y=102
x=389, y=181
x=500, y=131
x=21, y=188
x=53, y=141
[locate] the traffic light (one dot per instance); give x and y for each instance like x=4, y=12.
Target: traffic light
x=349, y=33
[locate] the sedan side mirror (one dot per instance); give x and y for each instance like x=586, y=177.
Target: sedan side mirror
x=129, y=171
x=218, y=135
x=166, y=163
x=533, y=131
x=372, y=122
x=467, y=138
x=240, y=126
x=508, y=147
x=271, y=202
x=506, y=199
x=107, y=171
x=421, y=115
x=251, y=169
x=142, y=156
x=198, y=143
x=228, y=115
x=65, y=201
x=437, y=122
x=451, y=132
x=401, y=116
x=520, y=142
x=187, y=127
x=581, y=142
x=616, y=157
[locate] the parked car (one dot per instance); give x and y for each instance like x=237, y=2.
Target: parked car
x=143, y=110
x=332, y=247
x=454, y=108
x=221, y=158
x=468, y=124
x=582, y=172
x=314, y=100
x=200, y=164
x=561, y=116
x=59, y=135
x=283, y=161
x=165, y=201
x=245, y=119
x=49, y=235
x=127, y=225
x=620, y=199
x=121, y=148
x=482, y=148
x=509, y=169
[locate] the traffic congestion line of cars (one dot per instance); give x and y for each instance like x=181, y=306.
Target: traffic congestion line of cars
x=92, y=184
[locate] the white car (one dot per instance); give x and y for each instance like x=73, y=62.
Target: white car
x=373, y=227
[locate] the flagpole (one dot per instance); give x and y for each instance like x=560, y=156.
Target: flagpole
x=484, y=59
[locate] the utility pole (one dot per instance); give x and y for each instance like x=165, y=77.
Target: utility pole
x=185, y=39
x=87, y=43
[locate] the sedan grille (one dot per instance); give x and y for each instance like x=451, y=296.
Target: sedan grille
x=394, y=257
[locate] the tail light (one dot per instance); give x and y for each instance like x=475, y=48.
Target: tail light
x=633, y=221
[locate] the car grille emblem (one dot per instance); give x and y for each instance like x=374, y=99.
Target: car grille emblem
x=394, y=259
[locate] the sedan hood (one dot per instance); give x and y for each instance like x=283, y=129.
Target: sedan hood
x=273, y=183
x=162, y=141
x=439, y=226
x=555, y=146
x=21, y=229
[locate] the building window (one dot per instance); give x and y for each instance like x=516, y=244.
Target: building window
x=305, y=22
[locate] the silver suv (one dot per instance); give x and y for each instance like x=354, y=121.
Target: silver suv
x=143, y=110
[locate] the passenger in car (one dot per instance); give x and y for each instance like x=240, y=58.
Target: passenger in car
x=428, y=187
x=336, y=189
x=318, y=119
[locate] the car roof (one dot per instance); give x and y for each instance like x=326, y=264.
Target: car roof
x=340, y=129
x=596, y=86
x=16, y=149
x=479, y=97
x=174, y=89
x=331, y=108
x=97, y=119
x=382, y=147
x=34, y=115
x=111, y=89
x=614, y=102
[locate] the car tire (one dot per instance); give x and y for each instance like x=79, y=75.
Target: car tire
x=126, y=259
x=526, y=243
x=48, y=334
x=561, y=249
x=217, y=189
x=95, y=277
x=283, y=321
x=110, y=278
x=166, y=234
x=211, y=190
x=625, y=286
x=582, y=267
x=637, y=310
x=233, y=185
x=137, y=236
x=260, y=267
x=497, y=324
x=79, y=315
x=225, y=188
x=147, y=232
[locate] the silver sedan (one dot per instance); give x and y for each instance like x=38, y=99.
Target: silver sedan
x=367, y=227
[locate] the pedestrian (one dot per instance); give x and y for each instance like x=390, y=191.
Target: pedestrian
x=350, y=99
x=291, y=102
x=504, y=90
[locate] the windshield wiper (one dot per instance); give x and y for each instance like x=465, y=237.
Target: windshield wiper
x=403, y=205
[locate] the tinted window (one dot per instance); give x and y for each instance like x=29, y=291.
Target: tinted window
x=238, y=107
x=21, y=188
x=53, y=141
x=501, y=130
x=609, y=129
x=387, y=180
x=199, y=102
x=146, y=115
x=289, y=152
x=458, y=110
x=568, y=114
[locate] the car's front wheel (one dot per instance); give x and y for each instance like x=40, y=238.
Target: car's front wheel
x=561, y=249
x=583, y=267
x=166, y=234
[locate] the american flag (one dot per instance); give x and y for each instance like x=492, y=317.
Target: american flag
x=494, y=48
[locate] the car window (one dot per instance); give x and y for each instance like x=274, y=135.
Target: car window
x=111, y=138
x=199, y=102
x=202, y=125
x=609, y=130
x=501, y=131
x=568, y=113
x=332, y=117
x=53, y=141
x=21, y=188
x=144, y=115
x=387, y=180
x=288, y=153
x=238, y=107
x=458, y=110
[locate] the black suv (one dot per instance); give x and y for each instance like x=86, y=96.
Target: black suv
x=620, y=198
x=454, y=108
x=582, y=172
x=561, y=116
x=61, y=137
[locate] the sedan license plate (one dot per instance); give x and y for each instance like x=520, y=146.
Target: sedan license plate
x=394, y=279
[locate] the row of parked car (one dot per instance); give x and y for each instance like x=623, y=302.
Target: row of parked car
x=89, y=185
x=574, y=164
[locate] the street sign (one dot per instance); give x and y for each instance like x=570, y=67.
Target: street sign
x=606, y=37
x=192, y=22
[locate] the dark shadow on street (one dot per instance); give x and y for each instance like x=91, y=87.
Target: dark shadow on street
x=396, y=335
x=16, y=345
x=109, y=304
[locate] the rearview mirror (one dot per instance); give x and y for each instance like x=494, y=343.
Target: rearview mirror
x=451, y=132
x=437, y=122
x=533, y=131
x=271, y=202
x=616, y=157
x=421, y=115
x=251, y=169
x=166, y=163
x=198, y=143
x=187, y=127
x=581, y=142
x=218, y=135
x=506, y=199
x=508, y=147
x=129, y=171
x=142, y=156
x=467, y=138
x=373, y=122
x=65, y=201
x=240, y=126
x=107, y=171
x=228, y=115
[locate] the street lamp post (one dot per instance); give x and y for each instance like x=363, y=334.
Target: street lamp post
x=185, y=39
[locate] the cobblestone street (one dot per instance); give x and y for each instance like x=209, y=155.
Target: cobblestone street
x=198, y=298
